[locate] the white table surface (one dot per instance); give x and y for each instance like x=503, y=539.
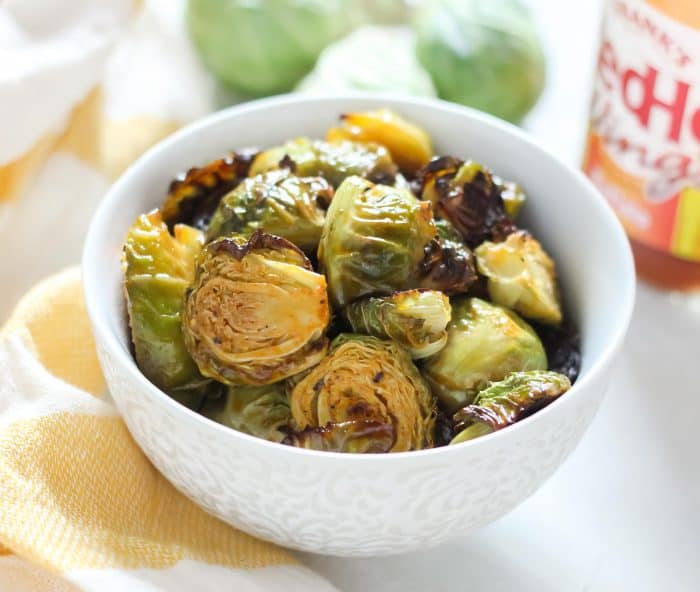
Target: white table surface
x=623, y=513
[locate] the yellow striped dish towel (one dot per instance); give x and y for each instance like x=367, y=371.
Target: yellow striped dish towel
x=81, y=508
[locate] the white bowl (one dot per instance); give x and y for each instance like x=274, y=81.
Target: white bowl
x=367, y=505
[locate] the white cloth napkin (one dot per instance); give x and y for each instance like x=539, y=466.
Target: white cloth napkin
x=85, y=87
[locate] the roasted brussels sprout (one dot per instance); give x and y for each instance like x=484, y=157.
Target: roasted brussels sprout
x=257, y=312
x=484, y=342
x=410, y=147
x=466, y=195
x=521, y=276
x=503, y=403
x=193, y=197
x=367, y=379
x=448, y=264
x=563, y=346
x=334, y=161
x=444, y=428
x=512, y=195
x=261, y=411
x=412, y=269
x=373, y=241
x=358, y=436
x=158, y=268
x=415, y=319
x=278, y=203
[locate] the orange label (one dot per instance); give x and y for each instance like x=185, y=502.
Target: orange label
x=643, y=149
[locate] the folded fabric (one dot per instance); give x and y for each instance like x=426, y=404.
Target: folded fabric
x=85, y=88
x=81, y=507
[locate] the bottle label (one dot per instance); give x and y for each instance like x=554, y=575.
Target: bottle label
x=643, y=149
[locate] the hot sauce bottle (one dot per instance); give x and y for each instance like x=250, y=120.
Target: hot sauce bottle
x=643, y=146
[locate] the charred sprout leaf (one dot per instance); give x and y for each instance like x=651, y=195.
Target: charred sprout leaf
x=367, y=379
x=415, y=319
x=257, y=312
x=485, y=342
x=373, y=241
x=563, y=347
x=277, y=202
x=158, y=268
x=409, y=145
x=466, y=195
x=193, y=198
x=261, y=411
x=512, y=195
x=521, y=276
x=448, y=264
x=444, y=428
x=438, y=172
x=334, y=161
x=357, y=436
x=503, y=403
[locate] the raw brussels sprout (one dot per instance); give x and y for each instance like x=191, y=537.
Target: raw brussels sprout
x=483, y=54
x=158, y=268
x=193, y=197
x=409, y=145
x=367, y=379
x=278, y=203
x=264, y=47
x=334, y=161
x=467, y=196
x=370, y=58
x=485, y=342
x=356, y=436
x=521, y=276
x=261, y=411
x=257, y=312
x=503, y=403
x=415, y=319
x=448, y=264
x=373, y=241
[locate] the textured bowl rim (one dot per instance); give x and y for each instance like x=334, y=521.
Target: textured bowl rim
x=614, y=233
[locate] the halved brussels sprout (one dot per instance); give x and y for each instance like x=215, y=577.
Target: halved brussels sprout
x=485, y=342
x=521, y=276
x=277, y=202
x=356, y=436
x=261, y=411
x=503, y=403
x=257, y=312
x=158, y=268
x=367, y=379
x=373, y=241
x=410, y=146
x=193, y=197
x=448, y=264
x=466, y=195
x=334, y=161
x=415, y=319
